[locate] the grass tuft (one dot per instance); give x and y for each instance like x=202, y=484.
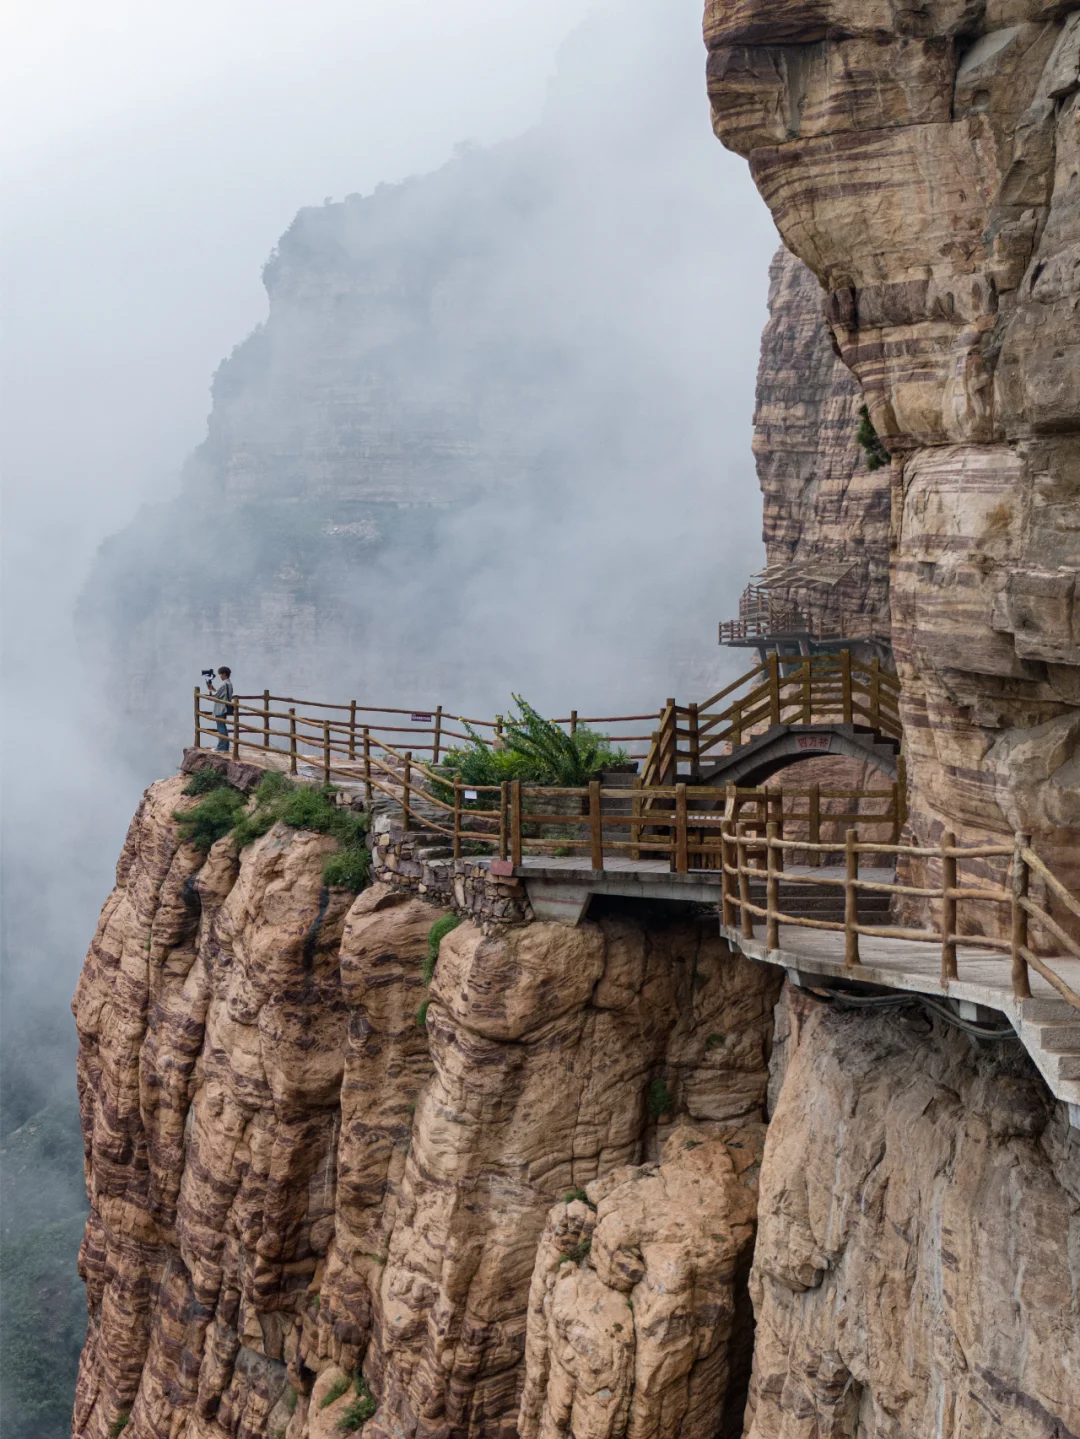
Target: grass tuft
x=334, y=1393
x=436, y=934
x=659, y=1098
x=211, y=819
x=421, y=1014
x=205, y=781
x=361, y=1409
x=117, y=1427
x=572, y=1194
x=578, y=1253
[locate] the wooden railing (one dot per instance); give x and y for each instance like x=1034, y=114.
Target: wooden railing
x=304, y=729
x=749, y=856
x=817, y=689
x=746, y=835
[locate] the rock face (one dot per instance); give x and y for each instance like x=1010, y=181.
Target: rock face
x=291, y=1179
x=915, y=1270
x=634, y=1315
x=824, y=510
x=923, y=162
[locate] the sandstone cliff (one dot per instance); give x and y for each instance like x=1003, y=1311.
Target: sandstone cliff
x=923, y=161
x=291, y=1180
x=824, y=511
x=915, y=1268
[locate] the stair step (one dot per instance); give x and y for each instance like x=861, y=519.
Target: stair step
x=1058, y=1038
x=1047, y=1010
x=1065, y=1066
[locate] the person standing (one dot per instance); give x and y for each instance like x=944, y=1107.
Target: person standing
x=223, y=706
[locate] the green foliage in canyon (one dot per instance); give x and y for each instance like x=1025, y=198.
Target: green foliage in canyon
x=361, y=1409
x=877, y=456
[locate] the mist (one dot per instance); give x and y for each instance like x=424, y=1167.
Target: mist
x=516, y=229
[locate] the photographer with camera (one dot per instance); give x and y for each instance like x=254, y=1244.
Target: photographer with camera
x=223, y=703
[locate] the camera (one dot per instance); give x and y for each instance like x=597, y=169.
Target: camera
x=208, y=676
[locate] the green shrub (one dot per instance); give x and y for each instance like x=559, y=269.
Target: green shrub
x=203, y=781
x=350, y=869
x=278, y=798
x=334, y=1393
x=421, y=1014
x=210, y=820
x=714, y=1041
x=578, y=1253
x=361, y=1409
x=659, y=1098
x=572, y=1194
x=877, y=456
x=117, y=1427
x=436, y=934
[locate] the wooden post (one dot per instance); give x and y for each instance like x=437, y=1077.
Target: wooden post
x=682, y=863
x=198, y=718
x=457, y=820
x=747, y=918
x=845, y=684
x=635, y=820
x=774, y=687
x=875, y=692
x=736, y=724
x=596, y=826
x=515, y=822
x=897, y=812
x=814, y=823
x=407, y=780
x=776, y=807
x=948, y=908
x=695, y=743
x=807, y=690
x=573, y=723
x=504, y=818
x=727, y=881
x=498, y=731
x=326, y=751
x=438, y=739
x=367, y=766
x=266, y=719
x=236, y=728
x=352, y=729
x=901, y=780
x=851, y=900
x=292, y=741
x=772, y=889
x=1021, y=883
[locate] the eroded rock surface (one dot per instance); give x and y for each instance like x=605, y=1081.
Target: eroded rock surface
x=291, y=1179
x=823, y=509
x=635, y=1321
x=919, y=1226
x=924, y=162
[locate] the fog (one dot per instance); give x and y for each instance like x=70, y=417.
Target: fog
x=599, y=338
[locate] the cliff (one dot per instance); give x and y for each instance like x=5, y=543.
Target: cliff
x=325, y=1196
x=290, y=1177
x=922, y=163
x=826, y=514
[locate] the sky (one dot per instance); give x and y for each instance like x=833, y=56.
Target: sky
x=152, y=155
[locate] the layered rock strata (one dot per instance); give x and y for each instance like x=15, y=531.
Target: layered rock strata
x=915, y=1269
x=825, y=512
x=923, y=163
x=292, y=1180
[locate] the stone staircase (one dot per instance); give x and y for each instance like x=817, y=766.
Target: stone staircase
x=1050, y=1030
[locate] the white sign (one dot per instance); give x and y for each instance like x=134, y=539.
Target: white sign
x=420, y=719
x=470, y=794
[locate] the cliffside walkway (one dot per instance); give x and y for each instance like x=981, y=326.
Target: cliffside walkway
x=985, y=925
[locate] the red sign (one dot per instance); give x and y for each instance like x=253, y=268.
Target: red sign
x=819, y=742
